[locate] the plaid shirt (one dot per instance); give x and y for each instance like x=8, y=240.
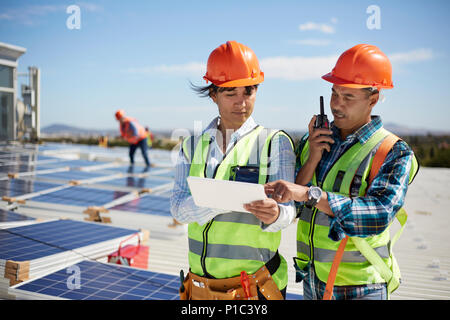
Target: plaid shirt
x=361, y=216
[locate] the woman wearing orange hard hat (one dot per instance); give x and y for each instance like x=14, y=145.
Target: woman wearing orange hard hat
x=234, y=255
x=351, y=184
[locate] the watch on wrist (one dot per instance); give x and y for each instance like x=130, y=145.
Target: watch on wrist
x=314, y=195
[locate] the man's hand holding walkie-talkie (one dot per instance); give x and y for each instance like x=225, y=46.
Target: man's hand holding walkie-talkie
x=319, y=135
x=319, y=140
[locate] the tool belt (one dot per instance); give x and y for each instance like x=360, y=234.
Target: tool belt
x=201, y=288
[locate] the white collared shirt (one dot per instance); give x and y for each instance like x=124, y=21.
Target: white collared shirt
x=282, y=156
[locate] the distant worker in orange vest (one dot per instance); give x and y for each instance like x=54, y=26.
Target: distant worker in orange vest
x=103, y=142
x=135, y=134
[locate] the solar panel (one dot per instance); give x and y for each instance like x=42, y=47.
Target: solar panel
x=169, y=173
x=150, y=204
x=101, y=281
x=79, y=163
x=72, y=175
x=293, y=296
x=15, y=187
x=6, y=216
x=47, y=238
x=129, y=169
x=16, y=168
x=136, y=182
x=80, y=196
x=10, y=157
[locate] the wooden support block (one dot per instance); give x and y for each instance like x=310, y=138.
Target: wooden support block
x=22, y=201
x=105, y=219
x=13, y=175
x=13, y=281
x=9, y=199
x=17, y=277
x=96, y=210
x=74, y=182
x=145, y=190
x=17, y=265
x=95, y=216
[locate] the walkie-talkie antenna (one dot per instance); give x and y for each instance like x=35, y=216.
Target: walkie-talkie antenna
x=322, y=111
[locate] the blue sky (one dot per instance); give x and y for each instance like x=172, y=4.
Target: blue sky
x=141, y=55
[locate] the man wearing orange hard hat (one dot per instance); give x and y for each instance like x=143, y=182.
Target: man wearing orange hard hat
x=351, y=182
x=234, y=255
x=135, y=134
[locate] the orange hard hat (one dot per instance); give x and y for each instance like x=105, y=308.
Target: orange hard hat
x=120, y=114
x=362, y=66
x=233, y=64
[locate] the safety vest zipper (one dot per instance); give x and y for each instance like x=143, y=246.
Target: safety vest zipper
x=311, y=235
x=311, y=230
x=205, y=244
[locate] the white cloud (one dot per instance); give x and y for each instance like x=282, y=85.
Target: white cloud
x=311, y=42
x=30, y=14
x=322, y=27
x=297, y=68
x=417, y=55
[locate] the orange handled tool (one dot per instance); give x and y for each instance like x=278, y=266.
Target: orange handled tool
x=245, y=282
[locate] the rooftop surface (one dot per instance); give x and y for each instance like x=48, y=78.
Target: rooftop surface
x=57, y=181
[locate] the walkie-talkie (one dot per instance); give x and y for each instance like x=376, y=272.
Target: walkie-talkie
x=321, y=119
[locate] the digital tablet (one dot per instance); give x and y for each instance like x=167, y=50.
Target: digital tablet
x=224, y=194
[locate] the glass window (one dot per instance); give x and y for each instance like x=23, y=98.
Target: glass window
x=6, y=76
x=6, y=115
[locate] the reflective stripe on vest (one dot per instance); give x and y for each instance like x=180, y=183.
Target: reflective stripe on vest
x=347, y=177
x=234, y=241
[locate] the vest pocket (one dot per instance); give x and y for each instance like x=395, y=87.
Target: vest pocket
x=248, y=174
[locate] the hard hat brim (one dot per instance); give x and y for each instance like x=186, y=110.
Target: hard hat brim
x=239, y=82
x=345, y=83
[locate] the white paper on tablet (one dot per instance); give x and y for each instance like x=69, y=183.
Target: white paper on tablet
x=224, y=194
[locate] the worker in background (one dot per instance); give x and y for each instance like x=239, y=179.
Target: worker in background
x=233, y=254
x=150, y=137
x=135, y=134
x=340, y=197
x=103, y=141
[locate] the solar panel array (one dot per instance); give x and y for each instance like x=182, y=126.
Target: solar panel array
x=80, y=196
x=149, y=204
x=31, y=251
x=16, y=187
x=101, y=281
x=53, y=249
x=10, y=216
x=10, y=219
x=46, y=245
x=47, y=238
x=137, y=182
x=71, y=175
